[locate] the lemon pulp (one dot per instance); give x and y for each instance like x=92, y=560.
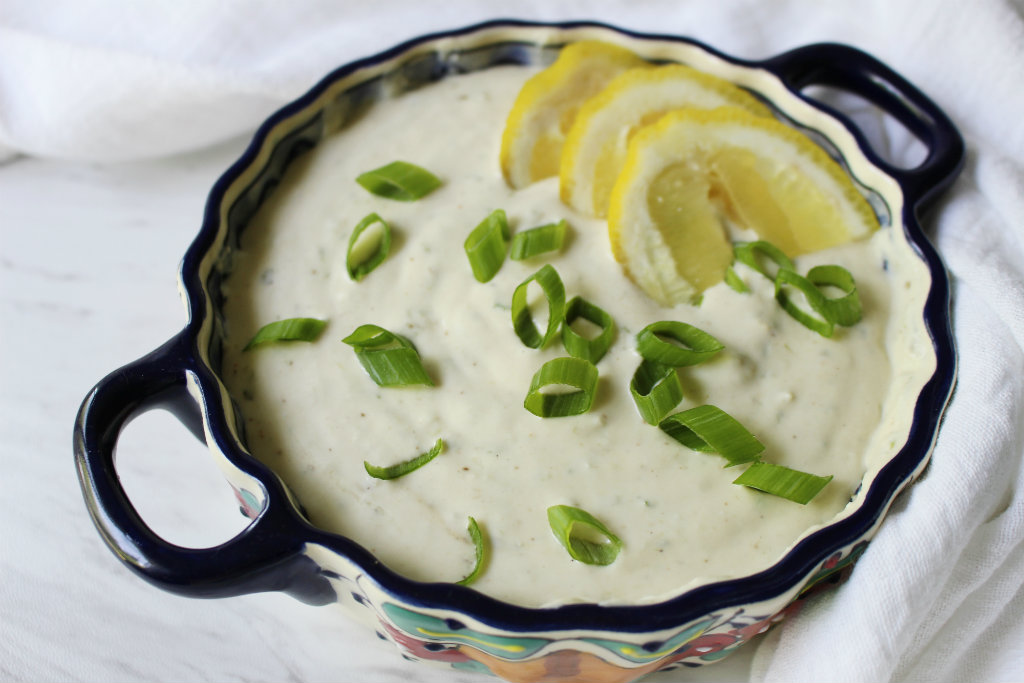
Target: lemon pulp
x=595, y=146
x=689, y=176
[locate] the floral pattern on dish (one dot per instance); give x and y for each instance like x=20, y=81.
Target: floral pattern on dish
x=528, y=658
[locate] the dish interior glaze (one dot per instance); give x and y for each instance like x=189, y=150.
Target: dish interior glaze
x=840, y=407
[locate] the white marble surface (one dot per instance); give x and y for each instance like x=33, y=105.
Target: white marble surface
x=89, y=257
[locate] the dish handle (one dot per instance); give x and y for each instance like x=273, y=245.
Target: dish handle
x=266, y=556
x=849, y=69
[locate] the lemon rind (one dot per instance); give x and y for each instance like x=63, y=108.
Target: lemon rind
x=581, y=69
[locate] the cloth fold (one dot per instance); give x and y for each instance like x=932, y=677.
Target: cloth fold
x=939, y=594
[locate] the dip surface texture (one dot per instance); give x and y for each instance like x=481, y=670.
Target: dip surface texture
x=313, y=415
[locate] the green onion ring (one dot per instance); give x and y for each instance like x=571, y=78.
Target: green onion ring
x=735, y=282
x=522, y=321
x=403, y=468
x=539, y=240
x=579, y=346
x=701, y=345
x=573, y=372
x=290, y=329
x=656, y=390
x=399, y=180
x=710, y=429
x=844, y=310
x=486, y=246
x=747, y=253
x=575, y=528
x=788, y=278
x=389, y=359
x=480, y=547
x=357, y=271
x=799, y=487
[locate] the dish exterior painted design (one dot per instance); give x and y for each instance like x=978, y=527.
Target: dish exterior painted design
x=281, y=550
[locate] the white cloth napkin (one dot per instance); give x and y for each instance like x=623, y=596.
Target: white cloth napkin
x=939, y=594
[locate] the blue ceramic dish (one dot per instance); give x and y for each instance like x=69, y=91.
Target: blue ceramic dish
x=282, y=551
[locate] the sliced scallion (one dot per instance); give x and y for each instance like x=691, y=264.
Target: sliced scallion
x=750, y=253
x=812, y=319
x=389, y=359
x=583, y=536
x=843, y=310
x=365, y=255
x=555, y=376
x=370, y=337
x=656, y=390
x=799, y=487
x=536, y=241
x=480, y=547
x=710, y=429
x=692, y=346
x=399, y=180
x=594, y=348
x=735, y=282
x=522, y=321
x=486, y=246
x=403, y=468
x=290, y=329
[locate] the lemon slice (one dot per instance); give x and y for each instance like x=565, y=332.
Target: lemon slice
x=694, y=172
x=595, y=147
x=531, y=145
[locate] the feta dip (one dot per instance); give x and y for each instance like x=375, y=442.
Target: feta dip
x=311, y=413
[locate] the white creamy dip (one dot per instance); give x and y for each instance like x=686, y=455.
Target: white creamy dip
x=313, y=415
